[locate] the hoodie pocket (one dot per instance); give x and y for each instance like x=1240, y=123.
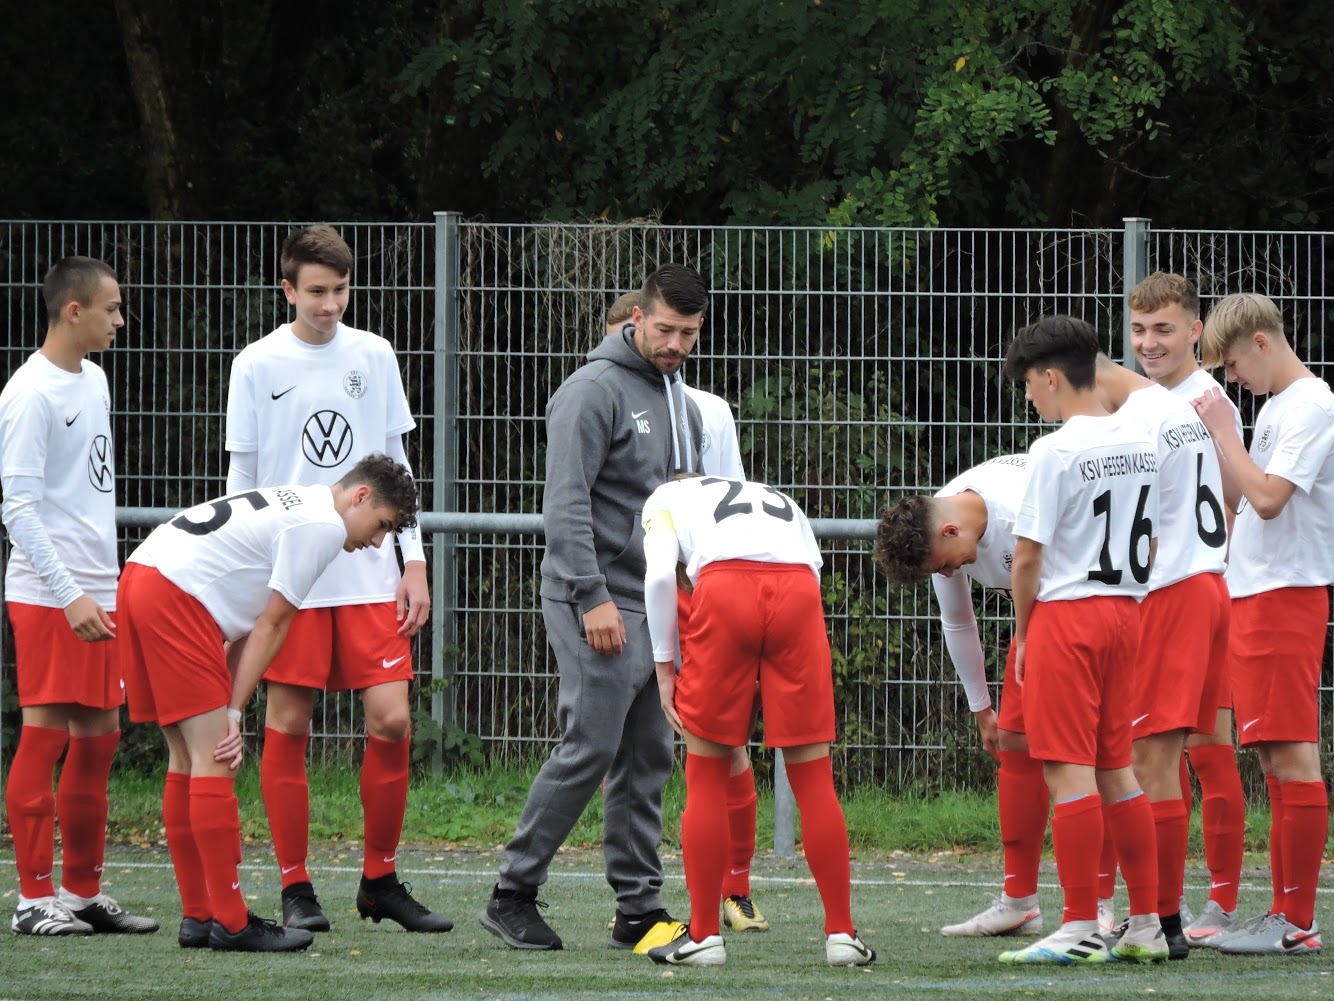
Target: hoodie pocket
x=626, y=570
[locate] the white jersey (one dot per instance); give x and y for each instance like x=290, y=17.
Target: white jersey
x=720, y=453
x=1092, y=503
x=1199, y=382
x=1294, y=439
x=231, y=552
x=999, y=482
x=310, y=412
x=1191, y=529
x=55, y=427
x=718, y=519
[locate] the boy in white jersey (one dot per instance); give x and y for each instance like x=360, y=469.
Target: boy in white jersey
x=965, y=533
x=720, y=455
x=304, y=404
x=233, y=571
x=1178, y=671
x=756, y=615
x=1164, y=328
x=1280, y=566
x=58, y=476
x=1084, y=540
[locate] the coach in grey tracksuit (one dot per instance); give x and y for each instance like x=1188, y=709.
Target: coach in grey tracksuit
x=616, y=429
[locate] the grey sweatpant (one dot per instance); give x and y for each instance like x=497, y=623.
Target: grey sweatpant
x=612, y=726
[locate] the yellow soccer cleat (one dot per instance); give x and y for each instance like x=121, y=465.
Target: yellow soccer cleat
x=741, y=914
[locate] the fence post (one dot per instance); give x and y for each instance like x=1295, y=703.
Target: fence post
x=445, y=466
x=785, y=811
x=1134, y=269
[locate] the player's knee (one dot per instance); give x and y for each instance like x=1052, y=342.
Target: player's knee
x=390, y=724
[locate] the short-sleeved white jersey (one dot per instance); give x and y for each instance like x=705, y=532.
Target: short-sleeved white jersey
x=1092, y=502
x=310, y=412
x=720, y=453
x=1000, y=483
x=721, y=519
x=1199, y=382
x=231, y=552
x=56, y=426
x=1191, y=528
x=1294, y=439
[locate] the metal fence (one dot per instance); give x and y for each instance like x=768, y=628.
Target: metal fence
x=861, y=363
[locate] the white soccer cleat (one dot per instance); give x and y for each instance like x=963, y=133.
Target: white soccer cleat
x=1141, y=940
x=1209, y=927
x=685, y=951
x=842, y=949
x=1075, y=942
x=1106, y=915
x=1005, y=916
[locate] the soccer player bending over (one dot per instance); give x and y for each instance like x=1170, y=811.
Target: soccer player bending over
x=233, y=570
x=1279, y=569
x=756, y=614
x=1083, y=551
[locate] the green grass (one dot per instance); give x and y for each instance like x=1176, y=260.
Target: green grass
x=898, y=903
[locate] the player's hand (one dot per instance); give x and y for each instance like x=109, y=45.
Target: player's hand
x=986, y=726
x=231, y=747
x=89, y=620
x=1215, y=412
x=605, y=629
x=1018, y=662
x=667, y=695
x=413, y=598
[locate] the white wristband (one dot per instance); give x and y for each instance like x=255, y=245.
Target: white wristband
x=234, y=714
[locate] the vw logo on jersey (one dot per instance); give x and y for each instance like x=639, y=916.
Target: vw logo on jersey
x=100, y=473
x=326, y=439
x=355, y=383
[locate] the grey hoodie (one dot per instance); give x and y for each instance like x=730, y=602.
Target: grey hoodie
x=610, y=443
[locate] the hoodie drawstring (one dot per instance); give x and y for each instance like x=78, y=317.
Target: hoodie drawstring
x=680, y=418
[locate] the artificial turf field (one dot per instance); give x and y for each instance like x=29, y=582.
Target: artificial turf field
x=899, y=903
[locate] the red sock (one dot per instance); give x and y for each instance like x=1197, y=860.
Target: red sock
x=1276, y=860
x=1077, y=835
x=1107, y=860
x=384, y=802
x=704, y=839
x=182, y=848
x=282, y=779
x=740, y=833
x=1024, y=801
x=1223, y=813
x=1171, y=829
x=31, y=807
x=1131, y=828
x=1187, y=790
x=824, y=839
x=1305, y=829
x=81, y=805
x=216, y=822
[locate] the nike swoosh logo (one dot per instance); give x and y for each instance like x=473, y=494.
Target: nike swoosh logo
x=391, y=858
x=1139, y=719
x=1247, y=726
x=636, y=416
x=1215, y=886
x=279, y=396
x=71, y=420
x=1301, y=938
x=738, y=872
x=236, y=885
x=47, y=876
x=1292, y=889
x=288, y=868
x=386, y=664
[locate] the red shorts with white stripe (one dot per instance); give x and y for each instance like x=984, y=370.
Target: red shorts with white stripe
x=343, y=648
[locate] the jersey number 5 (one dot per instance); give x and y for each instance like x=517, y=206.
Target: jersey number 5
x=222, y=512
x=1141, y=528
x=730, y=506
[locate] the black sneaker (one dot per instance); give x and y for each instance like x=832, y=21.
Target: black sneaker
x=630, y=929
x=301, y=908
x=259, y=935
x=1177, y=945
x=386, y=897
x=512, y=915
x=108, y=918
x=194, y=933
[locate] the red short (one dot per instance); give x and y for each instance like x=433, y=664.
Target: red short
x=757, y=621
x=1182, y=657
x=343, y=648
x=1277, y=644
x=55, y=667
x=172, y=650
x=1078, y=666
x=1011, y=715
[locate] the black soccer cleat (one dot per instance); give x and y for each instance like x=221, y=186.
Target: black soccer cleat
x=259, y=935
x=628, y=930
x=386, y=897
x=194, y=933
x=108, y=918
x=301, y=908
x=512, y=916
